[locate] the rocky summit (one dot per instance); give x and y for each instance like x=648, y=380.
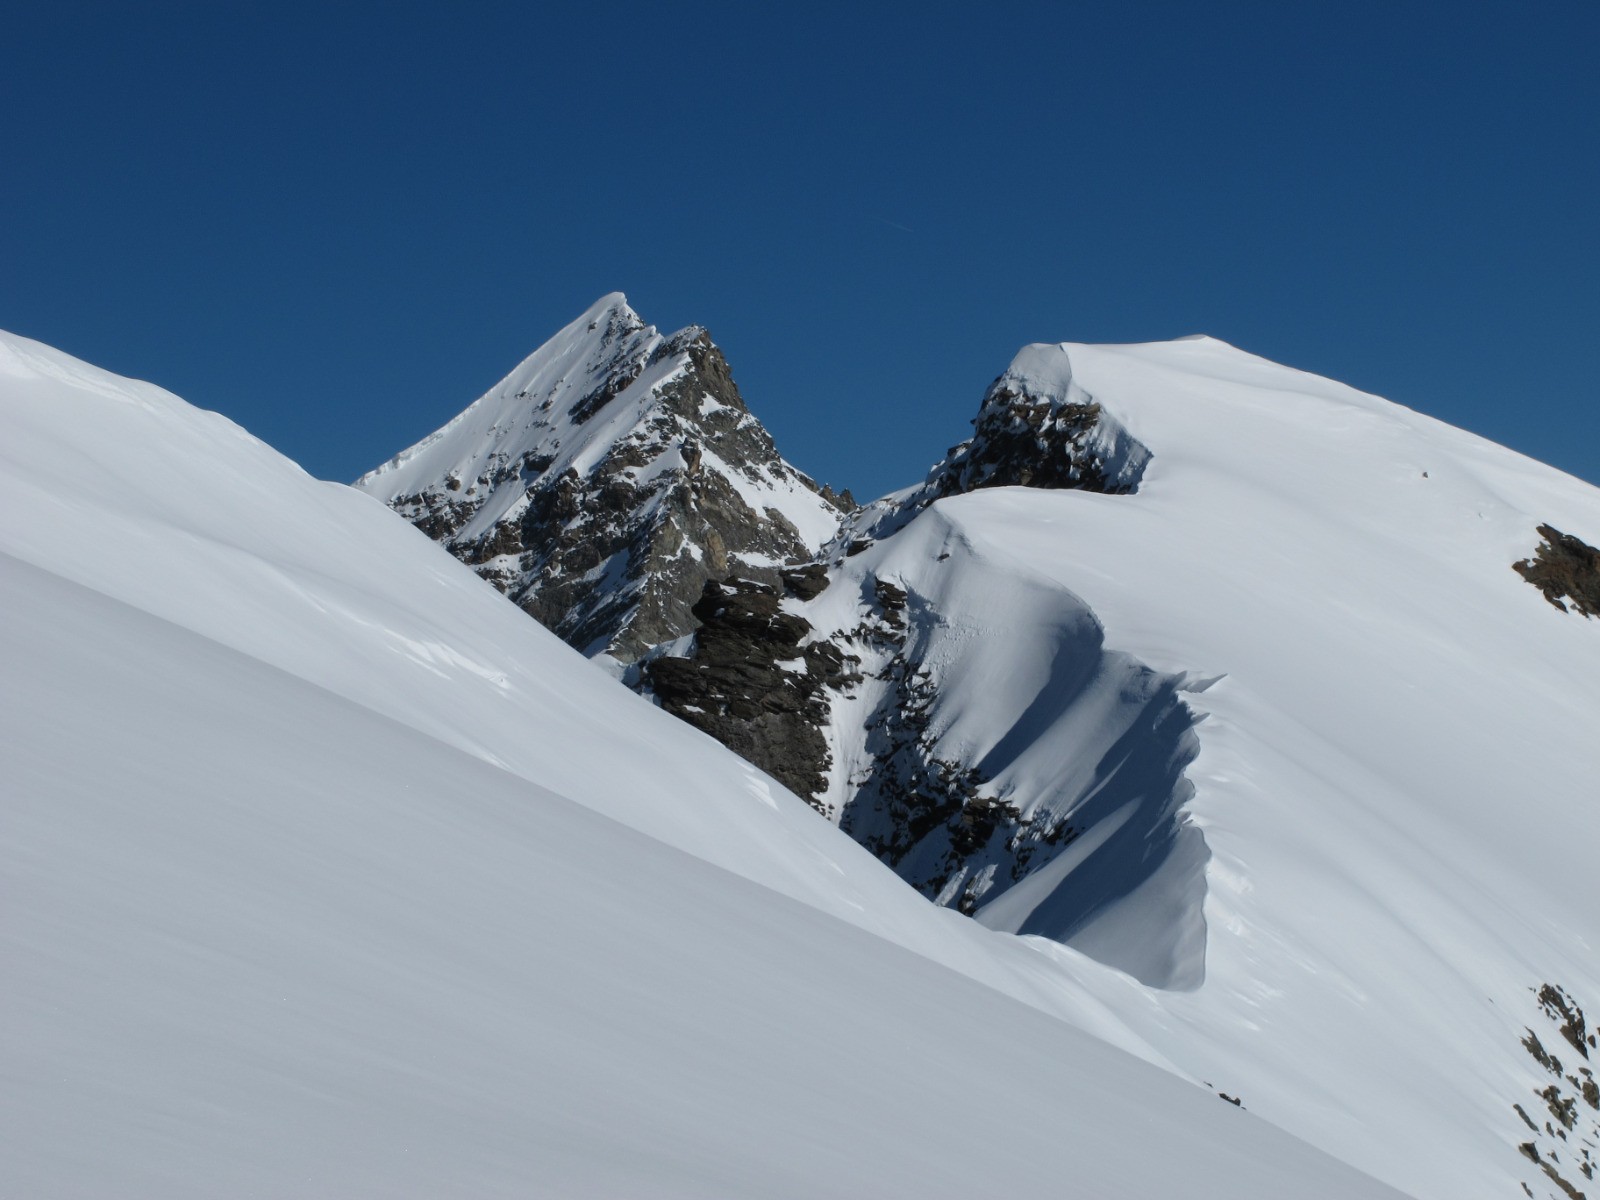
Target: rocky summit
x=603, y=482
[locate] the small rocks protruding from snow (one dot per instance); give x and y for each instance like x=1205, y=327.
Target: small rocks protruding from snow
x=1565, y=1137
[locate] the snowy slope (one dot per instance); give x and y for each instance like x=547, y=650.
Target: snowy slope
x=327, y=872
x=1383, y=840
x=1219, y=674
x=606, y=478
x=1006, y=760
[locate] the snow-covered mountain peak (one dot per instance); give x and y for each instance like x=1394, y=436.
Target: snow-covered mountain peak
x=536, y=408
x=606, y=478
x=611, y=302
x=607, y=332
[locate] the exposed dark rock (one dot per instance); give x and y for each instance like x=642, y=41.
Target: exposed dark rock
x=930, y=817
x=1543, y=1057
x=911, y=797
x=891, y=603
x=1559, y=1008
x=1556, y=1178
x=752, y=683
x=807, y=582
x=1562, y=1108
x=650, y=531
x=1566, y=569
x=1026, y=441
x=621, y=375
x=1531, y=1153
x=438, y=517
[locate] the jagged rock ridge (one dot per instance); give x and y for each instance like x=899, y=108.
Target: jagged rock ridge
x=606, y=479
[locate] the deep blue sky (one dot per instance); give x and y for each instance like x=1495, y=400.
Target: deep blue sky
x=339, y=225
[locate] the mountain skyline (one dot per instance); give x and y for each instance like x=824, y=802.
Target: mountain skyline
x=339, y=226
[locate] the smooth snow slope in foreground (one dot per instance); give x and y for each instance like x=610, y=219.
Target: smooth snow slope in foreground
x=327, y=872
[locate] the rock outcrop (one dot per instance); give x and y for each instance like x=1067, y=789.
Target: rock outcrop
x=1029, y=432
x=1566, y=569
x=755, y=683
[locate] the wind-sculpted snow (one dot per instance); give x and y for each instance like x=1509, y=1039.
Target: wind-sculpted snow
x=1129, y=889
x=589, y=493
x=963, y=720
x=1005, y=761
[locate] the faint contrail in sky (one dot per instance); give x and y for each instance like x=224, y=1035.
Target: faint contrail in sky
x=895, y=224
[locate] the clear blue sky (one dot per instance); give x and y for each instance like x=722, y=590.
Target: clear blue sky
x=339, y=225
